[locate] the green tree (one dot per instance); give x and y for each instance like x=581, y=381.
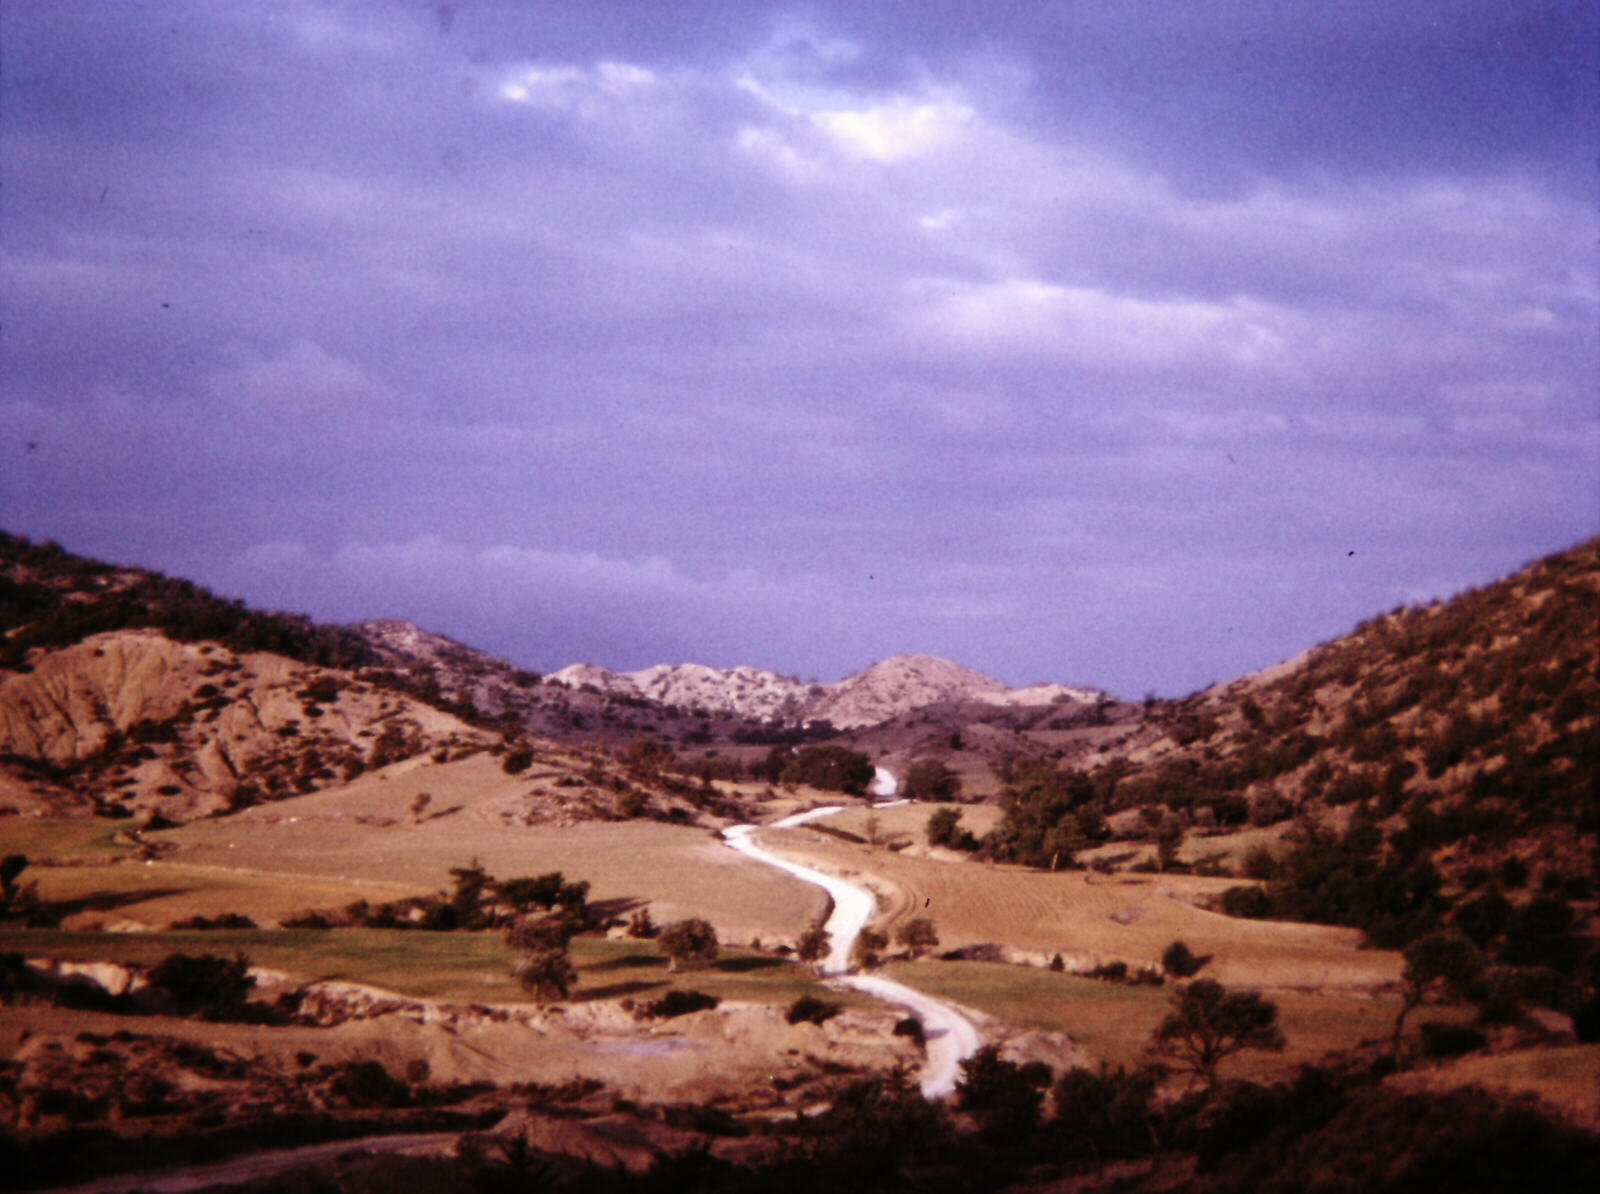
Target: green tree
x=546, y=974
x=1208, y=1023
x=931, y=781
x=833, y=768
x=942, y=823
x=692, y=940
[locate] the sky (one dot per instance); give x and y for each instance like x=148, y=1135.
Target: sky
x=1130, y=344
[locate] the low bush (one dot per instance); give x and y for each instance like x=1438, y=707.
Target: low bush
x=681, y=1003
x=808, y=1009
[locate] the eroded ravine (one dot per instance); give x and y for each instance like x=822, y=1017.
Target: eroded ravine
x=950, y=1036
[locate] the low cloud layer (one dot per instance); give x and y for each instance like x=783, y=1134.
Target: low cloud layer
x=1135, y=350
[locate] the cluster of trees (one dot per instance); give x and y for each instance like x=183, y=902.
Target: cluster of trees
x=1049, y=813
x=829, y=767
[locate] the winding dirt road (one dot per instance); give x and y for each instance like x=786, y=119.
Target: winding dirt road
x=950, y=1036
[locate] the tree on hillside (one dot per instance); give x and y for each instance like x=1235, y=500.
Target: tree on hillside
x=647, y=757
x=833, y=768
x=931, y=781
x=692, y=940
x=1208, y=1023
x=1169, y=837
x=1446, y=962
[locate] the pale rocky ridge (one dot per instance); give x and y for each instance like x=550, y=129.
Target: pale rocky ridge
x=883, y=691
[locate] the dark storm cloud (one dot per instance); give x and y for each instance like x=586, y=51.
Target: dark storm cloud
x=1068, y=341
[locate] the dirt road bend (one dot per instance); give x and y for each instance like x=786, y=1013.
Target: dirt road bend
x=950, y=1036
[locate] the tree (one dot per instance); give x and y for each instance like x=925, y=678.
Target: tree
x=1209, y=1023
x=692, y=940
x=1447, y=961
x=1001, y=1095
x=1180, y=961
x=11, y=894
x=917, y=934
x=814, y=944
x=546, y=974
x=865, y=951
x=214, y=986
x=648, y=757
x=930, y=780
x=1106, y=1114
x=942, y=825
x=834, y=768
x=535, y=934
x=1169, y=837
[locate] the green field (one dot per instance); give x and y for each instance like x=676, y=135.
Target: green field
x=464, y=967
x=84, y=837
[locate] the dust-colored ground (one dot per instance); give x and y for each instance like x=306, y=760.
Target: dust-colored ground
x=1091, y=919
x=363, y=841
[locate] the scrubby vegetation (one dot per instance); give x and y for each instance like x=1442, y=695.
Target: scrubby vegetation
x=51, y=598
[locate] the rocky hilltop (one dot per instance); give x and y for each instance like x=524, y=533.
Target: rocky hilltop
x=883, y=691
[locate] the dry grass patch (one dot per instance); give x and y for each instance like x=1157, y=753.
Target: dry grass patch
x=63, y=838
x=1091, y=919
x=1114, y=1021
x=156, y=894
x=366, y=833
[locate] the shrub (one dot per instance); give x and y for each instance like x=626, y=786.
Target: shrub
x=368, y=1084
x=942, y=825
x=865, y=951
x=931, y=781
x=808, y=1009
x=1002, y=1096
x=692, y=940
x=814, y=944
x=533, y=934
x=912, y=1027
x=1180, y=962
x=207, y=984
x=681, y=1003
x=546, y=974
x=917, y=934
x=1250, y=902
x=1451, y=1040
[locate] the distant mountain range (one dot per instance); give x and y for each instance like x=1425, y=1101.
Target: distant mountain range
x=883, y=691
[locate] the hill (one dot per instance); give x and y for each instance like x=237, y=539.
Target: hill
x=1436, y=767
